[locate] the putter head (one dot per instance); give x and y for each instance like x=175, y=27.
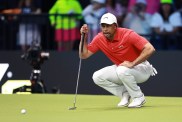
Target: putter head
x=72, y=108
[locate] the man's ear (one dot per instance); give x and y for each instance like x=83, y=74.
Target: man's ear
x=116, y=26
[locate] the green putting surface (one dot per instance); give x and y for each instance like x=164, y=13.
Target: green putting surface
x=90, y=108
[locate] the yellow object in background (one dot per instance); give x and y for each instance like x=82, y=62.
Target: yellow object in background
x=16, y=87
x=65, y=7
x=166, y=1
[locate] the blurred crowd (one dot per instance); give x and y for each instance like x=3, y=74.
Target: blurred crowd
x=160, y=21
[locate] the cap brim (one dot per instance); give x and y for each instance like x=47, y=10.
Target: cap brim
x=105, y=22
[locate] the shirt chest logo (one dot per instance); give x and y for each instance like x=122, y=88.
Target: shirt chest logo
x=118, y=47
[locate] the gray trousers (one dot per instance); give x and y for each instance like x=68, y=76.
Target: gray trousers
x=120, y=79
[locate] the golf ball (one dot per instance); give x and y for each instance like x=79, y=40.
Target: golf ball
x=23, y=111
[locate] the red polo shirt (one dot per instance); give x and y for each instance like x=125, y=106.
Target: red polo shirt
x=126, y=46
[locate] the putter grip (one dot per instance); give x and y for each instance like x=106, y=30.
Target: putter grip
x=82, y=41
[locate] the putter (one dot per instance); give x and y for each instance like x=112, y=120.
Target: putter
x=80, y=62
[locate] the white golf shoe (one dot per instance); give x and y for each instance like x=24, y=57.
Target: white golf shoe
x=137, y=102
x=125, y=100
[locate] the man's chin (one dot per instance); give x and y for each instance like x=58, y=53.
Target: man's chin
x=108, y=38
x=107, y=35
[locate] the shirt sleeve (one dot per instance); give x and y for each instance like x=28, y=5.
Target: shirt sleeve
x=137, y=40
x=77, y=8
x=53, y=11
x=93, y=46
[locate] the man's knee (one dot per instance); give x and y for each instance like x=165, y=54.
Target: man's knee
x=123, y=73
x=97, y=78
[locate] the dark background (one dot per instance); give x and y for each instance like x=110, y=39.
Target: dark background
x=61, y=70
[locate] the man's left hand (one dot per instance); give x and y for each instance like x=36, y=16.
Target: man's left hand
x=127, y=64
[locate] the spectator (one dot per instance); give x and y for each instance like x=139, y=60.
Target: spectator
x=92, y=14
x=153, y=5
x=166, y=24
x=28, y=31
x=138, y=19
x=114, y=7
x=66, y=26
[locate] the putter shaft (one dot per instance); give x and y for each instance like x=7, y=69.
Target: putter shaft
x=78, y=77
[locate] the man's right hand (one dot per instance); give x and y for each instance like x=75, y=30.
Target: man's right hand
x=84, y=29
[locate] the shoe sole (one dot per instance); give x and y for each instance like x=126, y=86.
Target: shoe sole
x=138, y=106
x=124, y=105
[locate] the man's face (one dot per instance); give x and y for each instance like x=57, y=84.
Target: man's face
x=108, y=30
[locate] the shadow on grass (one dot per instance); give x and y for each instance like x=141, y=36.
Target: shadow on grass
x=116, y=108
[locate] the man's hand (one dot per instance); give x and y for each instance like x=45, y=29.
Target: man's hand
x=127, y=64
x=84, y=29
